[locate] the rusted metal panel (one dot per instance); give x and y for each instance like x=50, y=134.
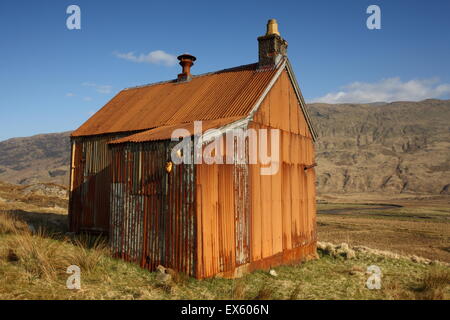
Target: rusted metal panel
x=274, y=215
x=208, y=248
x=223, y=94
x=283, y=205
x=152, y=211
x=90, y=182
x=165, y=132
x=242, y=213
x=223, y=215
x=281, y=109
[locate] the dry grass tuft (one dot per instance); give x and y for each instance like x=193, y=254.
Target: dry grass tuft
x=265, y=293
x=167, y=287
x=433, y=285
x=43, y=257
x=11, y=224
x=436, y=279
x=295, y=292
x=239, y=289
x=88, y=252
x=355, y=269
x=179, y=278
x=40, y=257
x=395, y=290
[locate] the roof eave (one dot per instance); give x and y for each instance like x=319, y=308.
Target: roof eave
x=300, y=98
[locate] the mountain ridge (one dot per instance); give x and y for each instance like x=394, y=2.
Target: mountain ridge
x=391, y=147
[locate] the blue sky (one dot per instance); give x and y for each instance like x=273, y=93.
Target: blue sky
x=52, y=79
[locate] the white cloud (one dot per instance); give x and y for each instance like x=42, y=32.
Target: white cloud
x=387, y=90
x=87, y=99
x=70, y=94
x=100, y=88
x=154, y=57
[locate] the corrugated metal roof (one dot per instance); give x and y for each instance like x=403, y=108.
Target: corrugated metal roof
x=222, y=94
x=165, y=132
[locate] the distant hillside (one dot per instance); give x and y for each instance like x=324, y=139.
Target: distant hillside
x=384, y=147
x=40, y=158
x=394, y=147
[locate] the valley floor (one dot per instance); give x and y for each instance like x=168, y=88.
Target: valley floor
x=413, y=226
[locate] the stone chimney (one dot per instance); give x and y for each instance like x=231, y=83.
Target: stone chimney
x=186, y=62
x=272, y=47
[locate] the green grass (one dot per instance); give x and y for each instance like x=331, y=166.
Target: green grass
x=40, y=261
x=108, y=278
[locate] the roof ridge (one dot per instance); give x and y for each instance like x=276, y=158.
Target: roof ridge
x=213, y=96
x=241, y=67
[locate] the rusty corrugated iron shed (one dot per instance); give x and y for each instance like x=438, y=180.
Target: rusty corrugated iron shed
x=201, y=219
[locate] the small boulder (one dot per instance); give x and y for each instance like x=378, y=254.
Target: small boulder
x=345, y=251
x=162, y=277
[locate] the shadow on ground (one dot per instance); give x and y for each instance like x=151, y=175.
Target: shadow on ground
x=48, y=222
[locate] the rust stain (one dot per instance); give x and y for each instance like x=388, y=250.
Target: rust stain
x=90, y=181
x=165, y=132
x=152, y=211
x=223, y=94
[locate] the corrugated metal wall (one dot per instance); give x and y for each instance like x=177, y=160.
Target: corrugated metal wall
x=90, y=182
x=283, y=225
x=247, y=220
x=223, y=215
x=152, y=211
x=283, y=204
